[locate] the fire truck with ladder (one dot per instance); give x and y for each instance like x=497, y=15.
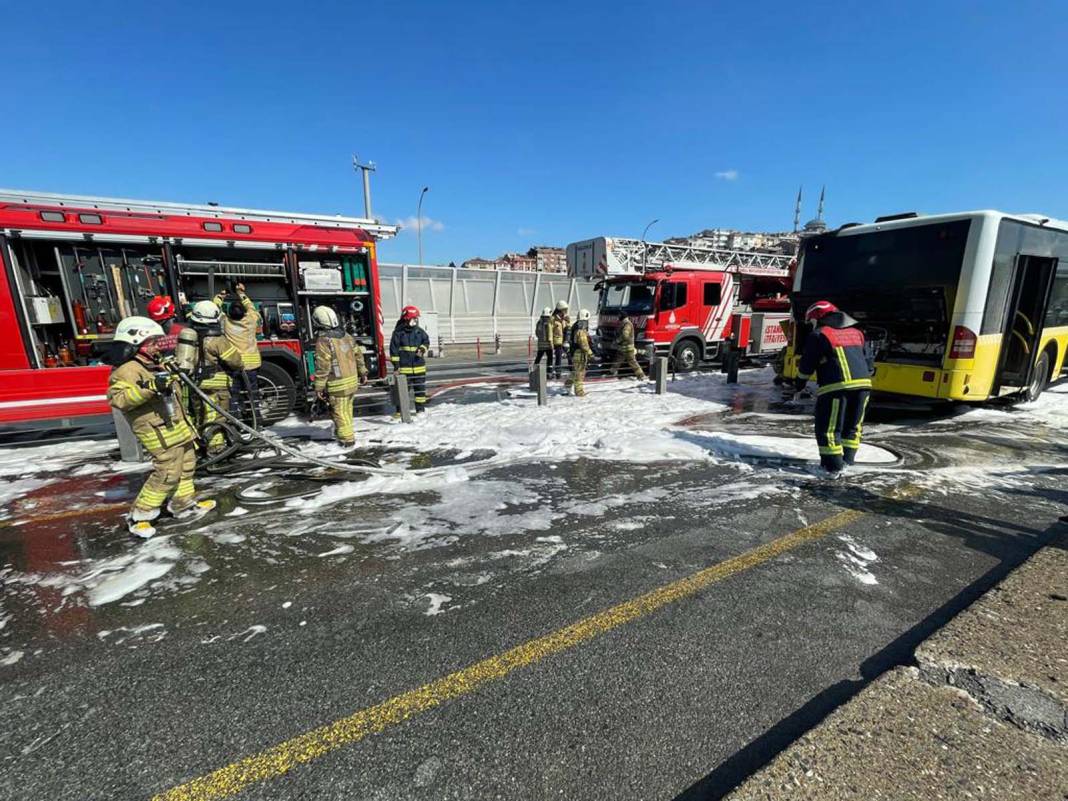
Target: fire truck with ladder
x=688, y=303
x=73, y=266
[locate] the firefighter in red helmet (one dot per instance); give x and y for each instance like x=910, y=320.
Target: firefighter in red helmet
x=407, y=352
x=835, y=351
x=162, y=310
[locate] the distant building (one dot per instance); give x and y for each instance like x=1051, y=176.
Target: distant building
x=549, y=259
x=482, y=264
x=519, y=262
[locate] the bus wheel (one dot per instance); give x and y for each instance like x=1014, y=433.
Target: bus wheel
x=1039, y=377
x=686, y=356
x=278, y=393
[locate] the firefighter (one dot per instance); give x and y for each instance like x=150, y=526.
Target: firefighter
x=218, y=361
x=162, y=310
x=835, y=351
x=143, y=392
x=543, y=331
x=407, y=351
x=561, y=329
x=626, y=351
x=240, y=326
x=339, y=370
x=580, y=351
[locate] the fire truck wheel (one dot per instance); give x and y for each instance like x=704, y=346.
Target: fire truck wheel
x=278, y=393
x=686, y=356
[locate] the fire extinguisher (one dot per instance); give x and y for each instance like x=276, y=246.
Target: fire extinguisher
x=80, y=318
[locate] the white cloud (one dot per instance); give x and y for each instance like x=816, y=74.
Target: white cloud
x=410, y=224
x=727, y=175
x=521, y=231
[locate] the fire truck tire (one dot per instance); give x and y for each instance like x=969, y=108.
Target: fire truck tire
x=278, y=393
x=687, y=356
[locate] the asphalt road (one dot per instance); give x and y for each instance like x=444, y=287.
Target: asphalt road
x=256, y=641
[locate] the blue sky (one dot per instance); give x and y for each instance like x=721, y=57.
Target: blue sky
x=543, y=122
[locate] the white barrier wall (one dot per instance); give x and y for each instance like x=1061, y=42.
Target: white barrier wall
x=482, y=304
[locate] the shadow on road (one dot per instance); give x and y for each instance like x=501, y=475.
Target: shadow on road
x=1012, y=544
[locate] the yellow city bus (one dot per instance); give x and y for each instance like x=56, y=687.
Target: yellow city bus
x=957, y=307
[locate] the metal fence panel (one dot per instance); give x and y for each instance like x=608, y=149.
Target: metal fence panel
x=480, y=304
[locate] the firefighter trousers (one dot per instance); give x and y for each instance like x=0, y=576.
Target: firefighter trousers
x=628, y=357
x=417, y=381
x=220, y=398
x=341, y=412
x=172, y=475
x=560, y=351
x=839, y=423
x=547, y=354
x=580, y=361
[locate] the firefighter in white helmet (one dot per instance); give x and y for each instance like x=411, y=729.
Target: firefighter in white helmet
x=339, y=370
x=144, y=393
x=561, y=335
x=218, y=361
x=580, y=351
x=543, y=332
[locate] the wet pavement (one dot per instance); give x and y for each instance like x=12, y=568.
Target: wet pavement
x=129, y=668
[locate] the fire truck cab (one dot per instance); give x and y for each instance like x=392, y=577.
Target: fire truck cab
x=72, y=266
x=686, y=303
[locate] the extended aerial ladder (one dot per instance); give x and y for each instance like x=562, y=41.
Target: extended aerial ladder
x=604, y=256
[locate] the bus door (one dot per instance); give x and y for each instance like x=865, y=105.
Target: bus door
x=1031, y=285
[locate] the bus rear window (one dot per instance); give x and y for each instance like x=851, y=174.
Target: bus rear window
x=916, y=256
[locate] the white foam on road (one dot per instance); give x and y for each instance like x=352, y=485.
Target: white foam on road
x=436, y=602
x=857, y=559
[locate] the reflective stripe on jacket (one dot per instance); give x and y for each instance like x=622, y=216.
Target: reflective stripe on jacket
x=131, y=390
x=625, y=337
x=220, y=359
x=242, y=333
x=407, y=349
x=339, y=363
x=836, y=356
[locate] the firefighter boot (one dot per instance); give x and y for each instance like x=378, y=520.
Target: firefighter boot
x=192, y=511
x=139, y=522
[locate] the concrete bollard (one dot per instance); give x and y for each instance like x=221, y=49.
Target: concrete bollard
x=539, y=382
x=401, y=398
x=130, y=449
x=660, y=373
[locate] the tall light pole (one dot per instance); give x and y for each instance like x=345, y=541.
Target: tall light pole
x=419, y=223
x=645, y=250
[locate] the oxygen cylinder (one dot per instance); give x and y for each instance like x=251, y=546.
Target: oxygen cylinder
x=187, y=350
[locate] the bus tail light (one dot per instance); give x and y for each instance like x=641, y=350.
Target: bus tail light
x=963, y=346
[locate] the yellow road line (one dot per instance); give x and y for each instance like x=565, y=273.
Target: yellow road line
x=281, y=758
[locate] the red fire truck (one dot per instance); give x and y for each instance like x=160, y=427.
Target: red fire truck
x=686, y=302
x=73, y=266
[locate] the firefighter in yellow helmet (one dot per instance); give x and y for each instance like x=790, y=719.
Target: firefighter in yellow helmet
x=217, y=362
x=239, y=326
x=581, y=353
x=339, y=370
x=560, y=328
x=144, y=393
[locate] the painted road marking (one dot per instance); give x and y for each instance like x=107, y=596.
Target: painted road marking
x=282, y=758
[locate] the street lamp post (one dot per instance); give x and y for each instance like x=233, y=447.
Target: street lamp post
x=645, y=250
x=419, y=223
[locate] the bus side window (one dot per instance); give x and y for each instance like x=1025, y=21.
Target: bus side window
x=713, y=293
x=672, y=295
x=1057, y=312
